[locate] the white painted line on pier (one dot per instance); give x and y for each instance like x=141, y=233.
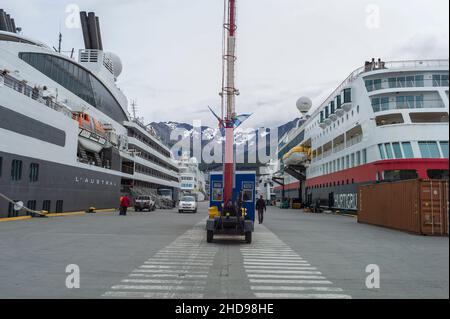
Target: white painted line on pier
x=181, y=276
x=180, y=263
x=178, y=271
x=173, y=267
x=274, y=262
x=289, y=288
x=152, y=295
x=251, y=267
x=163, y=281
x=300, y=296
x=276, y=271
x=285, y=276
x=294, y=282
x=155, y=287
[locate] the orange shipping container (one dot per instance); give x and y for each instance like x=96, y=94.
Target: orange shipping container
x=415, y=206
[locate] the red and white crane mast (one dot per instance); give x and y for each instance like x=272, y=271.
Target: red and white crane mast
x=229, y=93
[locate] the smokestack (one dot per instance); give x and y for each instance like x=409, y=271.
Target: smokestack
x=3, y=23
x=13, y=23
x=85, y=28
x=93, y=31
x=99, y=34
x=8, y=23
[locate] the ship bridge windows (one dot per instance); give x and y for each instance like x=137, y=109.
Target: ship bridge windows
x=431, y=117
x=78, y=81
x=429, y=149
x=440, y=80
x=389, y=119
x=444, y=148
x=389, y=153
x=396, y=150
x=408, y=80
x=407, y=101
x=381, y=150
x=407, y=150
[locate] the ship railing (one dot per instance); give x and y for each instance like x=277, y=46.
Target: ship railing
x=385, y=84
x=326, y=153
x=339, y=148
x=33, y=93
x=145, y=127
x=392, y=65
x=353, y=141
x=405, y=104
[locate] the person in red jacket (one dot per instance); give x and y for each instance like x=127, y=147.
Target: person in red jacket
x=124, y=204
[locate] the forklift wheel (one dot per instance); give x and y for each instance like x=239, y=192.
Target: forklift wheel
x=248, y=237
x=209, y=236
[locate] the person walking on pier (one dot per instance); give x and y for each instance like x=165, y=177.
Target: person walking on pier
x=261, y=208
x=124, y=203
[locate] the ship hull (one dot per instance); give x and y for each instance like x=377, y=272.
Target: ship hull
x=75, y=188
x=339, y=191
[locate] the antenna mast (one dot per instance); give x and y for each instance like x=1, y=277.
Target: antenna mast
x=134, y=108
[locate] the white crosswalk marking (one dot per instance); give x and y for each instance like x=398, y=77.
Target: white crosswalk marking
x=276, y=271
x=178, y=271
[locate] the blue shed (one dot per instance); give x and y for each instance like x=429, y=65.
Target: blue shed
x=244, y=184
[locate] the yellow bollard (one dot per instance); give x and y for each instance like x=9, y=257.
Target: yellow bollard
x=213, y=212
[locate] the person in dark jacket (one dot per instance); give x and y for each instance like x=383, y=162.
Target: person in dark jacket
x=261, y=208
x=124, y=204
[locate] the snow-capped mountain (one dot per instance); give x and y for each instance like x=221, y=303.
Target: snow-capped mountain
x=246, y=138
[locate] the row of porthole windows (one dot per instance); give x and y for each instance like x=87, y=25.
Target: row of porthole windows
x=17, y=171
x=32, y=205
x=332, y=184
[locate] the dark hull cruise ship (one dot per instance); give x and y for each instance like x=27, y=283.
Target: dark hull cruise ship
x=67, y=140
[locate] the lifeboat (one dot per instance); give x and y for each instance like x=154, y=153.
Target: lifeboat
x=297, y=156
x=347, y=107
x=340, y=112
x=92, y=136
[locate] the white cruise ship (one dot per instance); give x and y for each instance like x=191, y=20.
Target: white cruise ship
x=67, y=141
x=192, y=179
x=387, y=121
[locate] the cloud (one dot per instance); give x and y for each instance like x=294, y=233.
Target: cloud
x=171, y=49
x=423, y=45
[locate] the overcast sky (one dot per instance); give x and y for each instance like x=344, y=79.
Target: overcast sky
x=171, y=49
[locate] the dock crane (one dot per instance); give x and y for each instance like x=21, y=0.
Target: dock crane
x=227, y=217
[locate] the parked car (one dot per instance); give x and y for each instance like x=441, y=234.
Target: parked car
x=187, y=204
x=144, y=202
